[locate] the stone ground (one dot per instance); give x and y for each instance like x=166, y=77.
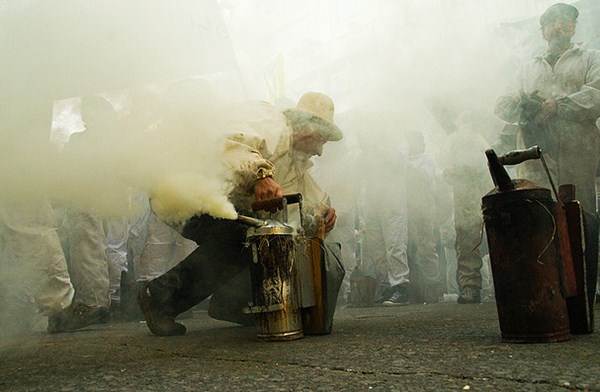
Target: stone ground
x=440, y=347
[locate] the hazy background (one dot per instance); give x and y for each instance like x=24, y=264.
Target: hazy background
x=399, y=57
x=393, y=67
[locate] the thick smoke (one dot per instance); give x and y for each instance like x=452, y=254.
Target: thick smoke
x=394, y=57
x=176, y=158
x=174, y=74
x=164, y=141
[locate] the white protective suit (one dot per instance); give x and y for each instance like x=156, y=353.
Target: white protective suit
x=86, y=254
x=248, y=152
x=465, y=171
x=423, y=256
x=33, y=264
x=85, y=232
x=117, y=236
x=572, y=140
x=384, y=217
x=292, y=173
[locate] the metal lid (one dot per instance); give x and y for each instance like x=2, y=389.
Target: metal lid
x=272, y=227
x=524, y=190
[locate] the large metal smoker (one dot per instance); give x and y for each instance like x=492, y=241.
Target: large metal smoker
x=293, y=290
x=543, y=255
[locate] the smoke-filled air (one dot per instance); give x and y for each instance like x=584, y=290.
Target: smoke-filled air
x=152, y=153
x=414, y=61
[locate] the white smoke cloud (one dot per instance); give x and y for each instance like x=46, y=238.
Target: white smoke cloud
x=389, y=59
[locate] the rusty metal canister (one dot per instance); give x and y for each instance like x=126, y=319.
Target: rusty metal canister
x=273, y=274
x=526, y=267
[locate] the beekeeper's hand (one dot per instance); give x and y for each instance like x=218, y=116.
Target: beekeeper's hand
x=267, y=188
x=330, y=218
x=548, y=110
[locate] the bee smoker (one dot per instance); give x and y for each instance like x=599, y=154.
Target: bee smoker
x=274, y=276
x=529, y=274
x=295, y=277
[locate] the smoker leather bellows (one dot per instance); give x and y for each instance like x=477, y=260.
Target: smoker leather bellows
x=525, y=258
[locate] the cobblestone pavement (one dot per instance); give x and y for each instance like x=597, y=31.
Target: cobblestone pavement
x=440, y=347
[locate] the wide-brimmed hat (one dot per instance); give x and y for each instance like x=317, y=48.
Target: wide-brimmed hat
x=316, y=109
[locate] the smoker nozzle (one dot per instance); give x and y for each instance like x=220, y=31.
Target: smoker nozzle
x=252, y=221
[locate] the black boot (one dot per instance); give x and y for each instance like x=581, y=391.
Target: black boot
x=159, y=322
x=77, y=316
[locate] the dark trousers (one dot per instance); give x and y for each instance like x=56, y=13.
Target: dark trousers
x=219, y=258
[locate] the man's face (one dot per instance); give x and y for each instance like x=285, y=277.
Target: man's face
x=310, y=143
x=560, y=30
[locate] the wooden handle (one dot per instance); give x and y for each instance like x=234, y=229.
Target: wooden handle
x=270, y=205
x=519, y=156
x=273, y=205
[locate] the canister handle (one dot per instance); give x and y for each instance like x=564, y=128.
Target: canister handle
x=519, y=156
x=280, y=203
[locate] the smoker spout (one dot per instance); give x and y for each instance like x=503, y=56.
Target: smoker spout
x=251, y=221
